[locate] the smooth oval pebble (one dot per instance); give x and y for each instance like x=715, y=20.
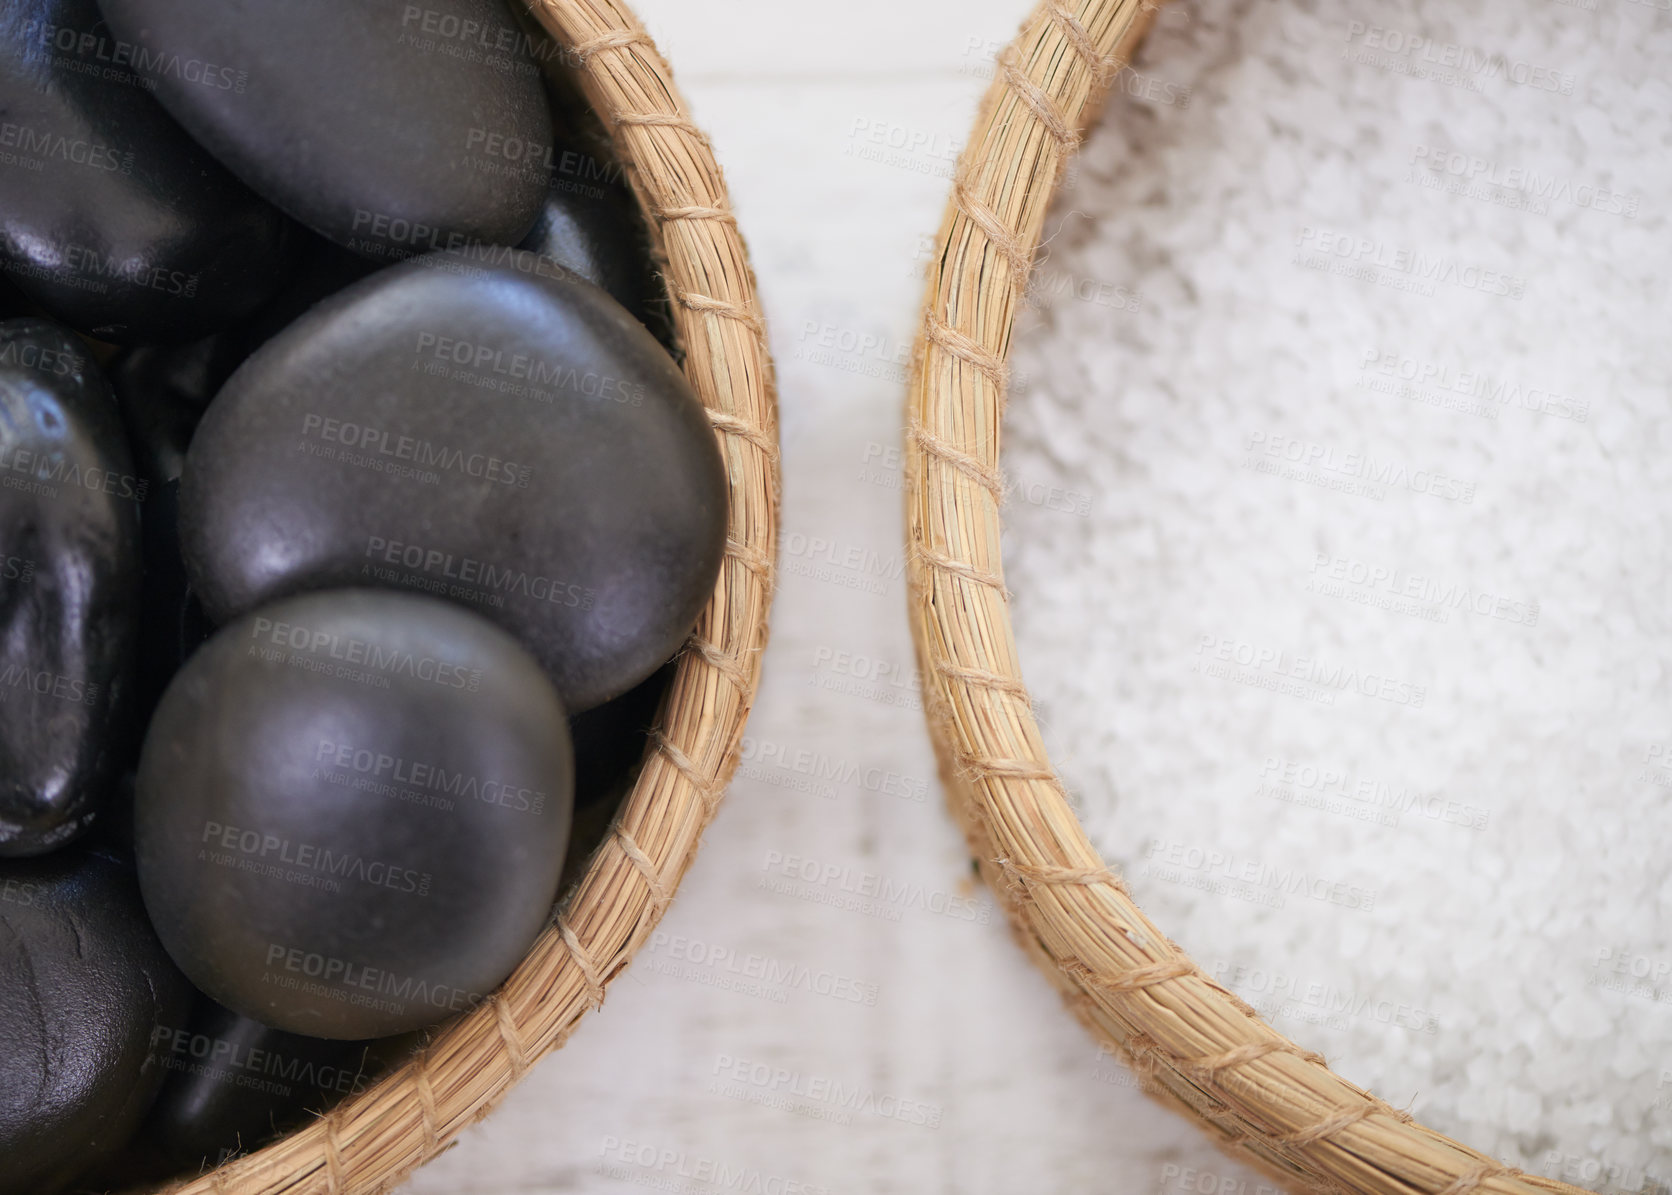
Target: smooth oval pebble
x=484, y=427
x=87, y=997
x=351, y=812
x=389, y=128
x=117, y=222
x=69, y=587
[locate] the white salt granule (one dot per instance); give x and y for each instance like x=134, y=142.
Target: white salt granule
x=1341, y=454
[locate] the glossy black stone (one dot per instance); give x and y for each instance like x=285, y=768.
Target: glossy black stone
x=484, y=427
x=87, y=997
x=389, y=128
x=69, y=587
x=117, y=222
x=234, y=1084
x=351, y=812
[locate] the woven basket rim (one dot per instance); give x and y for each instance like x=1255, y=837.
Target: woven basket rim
x=376, y=1138
x=1200, y=1048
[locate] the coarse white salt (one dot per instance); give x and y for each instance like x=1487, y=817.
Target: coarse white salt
x=1339, y=529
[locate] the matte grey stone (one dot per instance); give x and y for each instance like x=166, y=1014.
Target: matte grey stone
x=390, y=128
x=351, y=812
x=482, y=426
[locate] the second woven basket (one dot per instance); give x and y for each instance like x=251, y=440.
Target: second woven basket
x=1198, y=1045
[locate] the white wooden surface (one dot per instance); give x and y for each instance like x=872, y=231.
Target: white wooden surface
x=906, y=1045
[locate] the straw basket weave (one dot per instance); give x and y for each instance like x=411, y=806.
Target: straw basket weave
x=1197, y=1045
x=375, y=1139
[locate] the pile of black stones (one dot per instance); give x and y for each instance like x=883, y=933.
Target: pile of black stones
x=352, y=508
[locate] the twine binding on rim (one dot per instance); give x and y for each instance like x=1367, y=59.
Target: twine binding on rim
x=374, y=1139
x=1195, y=1044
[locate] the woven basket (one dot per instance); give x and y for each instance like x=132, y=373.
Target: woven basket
x=373, y=1140
x=1198, y=1045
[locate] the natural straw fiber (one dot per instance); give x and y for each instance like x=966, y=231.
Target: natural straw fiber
x=375, y=1139
x=1196, y=1044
